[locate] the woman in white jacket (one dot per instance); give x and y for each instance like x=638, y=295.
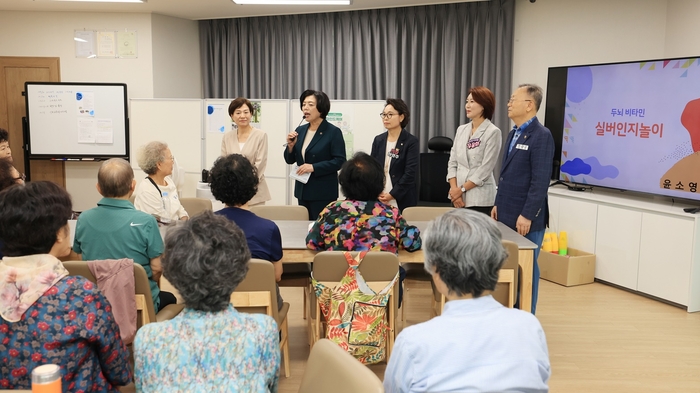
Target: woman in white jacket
x=157, y=193
x=474, y=154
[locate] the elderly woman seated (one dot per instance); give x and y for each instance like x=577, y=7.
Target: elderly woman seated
x=234, y=182
x=48, y=316
x=209, y=346
x=157, y=193
x=361, y=222
x=476, y=345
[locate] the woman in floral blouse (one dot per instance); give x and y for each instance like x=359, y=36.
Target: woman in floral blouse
x=209, y=346
x=48, y=316
x=362, y=222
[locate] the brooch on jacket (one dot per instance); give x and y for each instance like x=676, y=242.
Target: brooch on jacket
x=473, y=143
x=393, y=153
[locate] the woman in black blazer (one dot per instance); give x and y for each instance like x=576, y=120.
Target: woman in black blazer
x=397, y=152
x=317, y=148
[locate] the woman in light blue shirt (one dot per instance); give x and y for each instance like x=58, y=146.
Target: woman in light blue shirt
x=476, y=345
x=209, y=346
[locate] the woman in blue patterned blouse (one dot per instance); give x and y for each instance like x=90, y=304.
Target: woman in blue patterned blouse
x=209, y=346
x=362, y=222
x=48, y=316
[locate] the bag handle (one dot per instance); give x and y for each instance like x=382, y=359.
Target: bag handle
x=357, y=260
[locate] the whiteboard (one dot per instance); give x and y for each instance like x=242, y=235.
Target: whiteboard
x=77, y=120
x=177, y=122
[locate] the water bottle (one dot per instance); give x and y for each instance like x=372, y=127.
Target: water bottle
x=46, y=379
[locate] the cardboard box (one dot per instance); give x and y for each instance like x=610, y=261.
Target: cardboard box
x=577, y=268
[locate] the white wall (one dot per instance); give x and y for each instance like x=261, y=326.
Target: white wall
x=552, y=33
x=167, y=64
x=682, y=31
x=176, y=61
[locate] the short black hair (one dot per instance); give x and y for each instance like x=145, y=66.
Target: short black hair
x=205, y=259
x=361, y=178
x=7, y=178
x=323, y=103
x=239, y=102
x=4, y=135
x=401, y=108
x=31, y=216
x=234, y=180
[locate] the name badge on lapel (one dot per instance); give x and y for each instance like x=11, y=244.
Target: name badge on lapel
x=393, y=153
x=473, y=143
x=522, y=147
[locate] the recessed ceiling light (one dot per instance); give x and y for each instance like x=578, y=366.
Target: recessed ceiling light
x=294, y=2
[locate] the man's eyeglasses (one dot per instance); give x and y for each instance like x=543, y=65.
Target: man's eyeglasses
x=387, y=115
x=513, y=100
x=22, y=177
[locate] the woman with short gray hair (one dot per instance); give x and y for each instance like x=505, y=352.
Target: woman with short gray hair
x=476, y=345
x=157, y=193
x=209, y=346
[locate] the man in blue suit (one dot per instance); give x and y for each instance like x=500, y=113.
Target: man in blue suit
x=521, y=199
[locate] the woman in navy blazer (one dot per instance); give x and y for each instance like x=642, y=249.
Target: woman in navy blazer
x=317, y=148
x=397, y=152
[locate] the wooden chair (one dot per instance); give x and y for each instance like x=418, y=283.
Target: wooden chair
x=506, y=288
x=293, y=274
x=415, y=271
x=331, y=369
x=378, y=269
x=257, y=294
x=194, y=206
x=144, y=302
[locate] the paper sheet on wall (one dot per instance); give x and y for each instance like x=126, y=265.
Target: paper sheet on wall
x=217, y=119
x=86, y=130
x=85, y=103
x=84, y=43
x=127, y=44
x=106, y=44
x=104, y=132
x=344, y=121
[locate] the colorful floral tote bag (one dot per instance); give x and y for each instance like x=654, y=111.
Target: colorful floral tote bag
x=355, y=314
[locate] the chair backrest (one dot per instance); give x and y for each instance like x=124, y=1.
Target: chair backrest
x=282, y=213
x=501, y=293
x=260, y=277
x=143, y=287
x=141, y=283
x=442, y=144
x=194, y=206
x=79, y=268
x=331, y=369
x=424, y=213
x=376, y=266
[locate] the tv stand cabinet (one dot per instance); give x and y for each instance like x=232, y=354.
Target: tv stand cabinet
x=643, y=243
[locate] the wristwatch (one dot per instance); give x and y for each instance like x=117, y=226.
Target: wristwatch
x=463, y=189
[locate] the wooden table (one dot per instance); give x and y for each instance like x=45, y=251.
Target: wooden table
x=295, y=251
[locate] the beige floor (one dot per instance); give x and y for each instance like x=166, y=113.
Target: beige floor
x=601, y=339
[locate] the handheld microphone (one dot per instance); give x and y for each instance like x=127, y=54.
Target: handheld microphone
x=302, y=120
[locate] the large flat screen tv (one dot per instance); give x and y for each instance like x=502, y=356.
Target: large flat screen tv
x=630, y=126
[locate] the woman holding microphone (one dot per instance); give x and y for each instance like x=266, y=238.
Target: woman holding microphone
x=317, y=148
x=474, y=155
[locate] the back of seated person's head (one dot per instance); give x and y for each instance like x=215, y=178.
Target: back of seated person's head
x=205, y=259
x=8, y=174
x=115, y=179
x=361, y=178
x=464, y=248
x=234, y=180
x=31, y=216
